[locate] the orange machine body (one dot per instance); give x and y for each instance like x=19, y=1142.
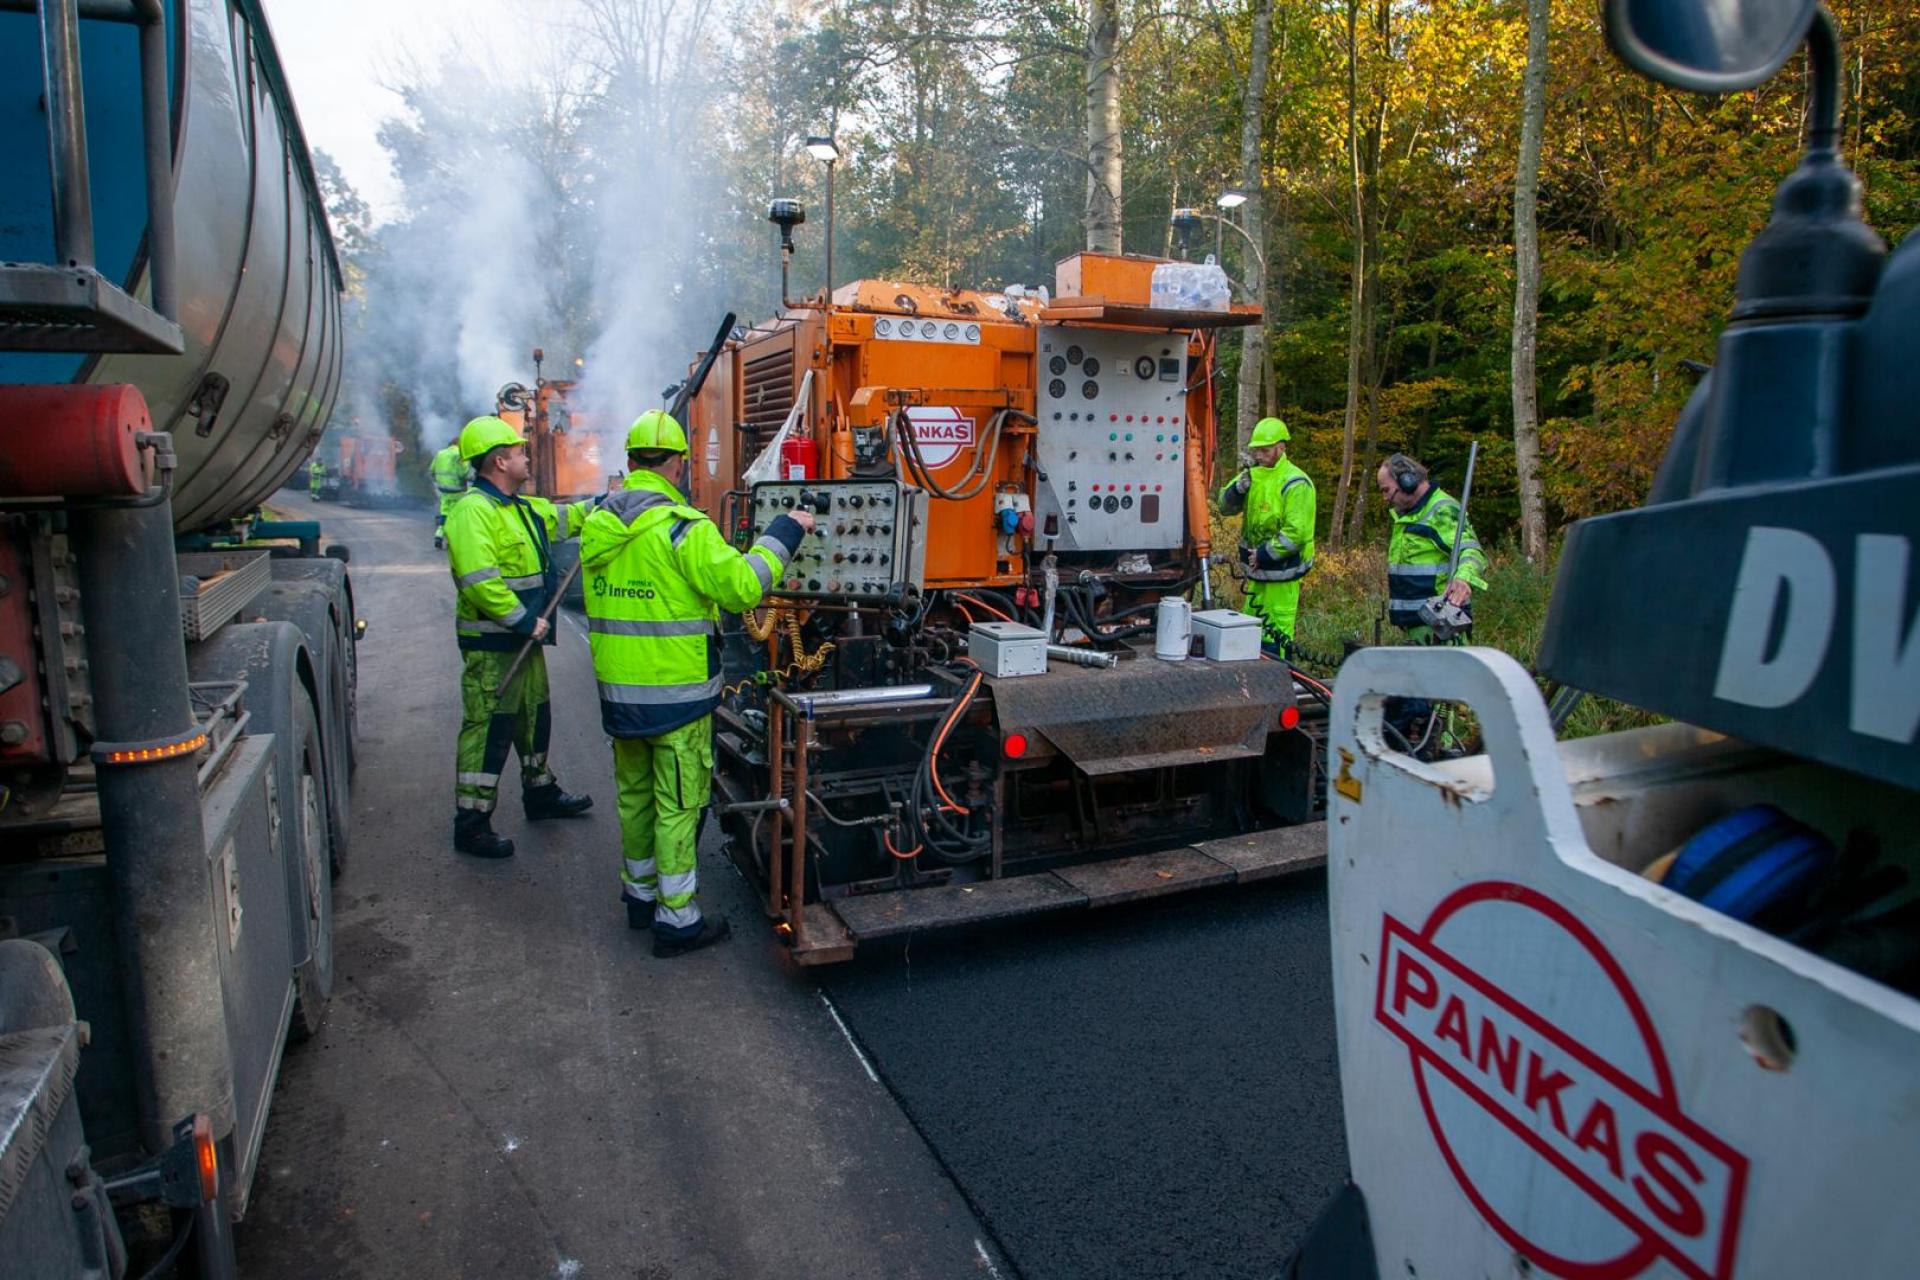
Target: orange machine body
x=887, y=357
x=572, y=456
x=368, y=464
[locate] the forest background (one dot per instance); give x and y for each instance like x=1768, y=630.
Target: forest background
x=602, y=194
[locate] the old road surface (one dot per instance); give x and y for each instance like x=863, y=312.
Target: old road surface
x=508, y=1084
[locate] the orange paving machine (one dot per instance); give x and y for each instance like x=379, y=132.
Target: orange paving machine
x=951, y=708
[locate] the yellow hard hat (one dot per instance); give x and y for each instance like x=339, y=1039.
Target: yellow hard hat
x=483, y=434
x=656, y=429
x=1269, y=431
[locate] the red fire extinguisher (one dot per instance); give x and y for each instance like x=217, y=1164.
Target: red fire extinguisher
x=799, y=458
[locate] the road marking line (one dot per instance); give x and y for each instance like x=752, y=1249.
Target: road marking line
x=985, y=1260
x=835, y=1014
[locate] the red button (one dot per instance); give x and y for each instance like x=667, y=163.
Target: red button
x=1127, y=487
x=1113, y=417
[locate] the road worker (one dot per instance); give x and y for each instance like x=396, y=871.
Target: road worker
x=658, y=572
x=316, y=477
x=498, y=548
x=1276, y=537
x=1420, y=548
x=450, y=478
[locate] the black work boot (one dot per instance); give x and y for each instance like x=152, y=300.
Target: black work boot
x=711, y=931
x=551, y=802
x=639, y=914
x=473, y=834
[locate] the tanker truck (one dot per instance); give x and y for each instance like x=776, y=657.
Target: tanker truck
x=176, y=700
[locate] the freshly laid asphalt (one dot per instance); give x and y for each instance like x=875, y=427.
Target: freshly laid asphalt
x=508, y=1084
x=1152, y=1092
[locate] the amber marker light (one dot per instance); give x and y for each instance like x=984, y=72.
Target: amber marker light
x=208, y=1156
x=148, y=755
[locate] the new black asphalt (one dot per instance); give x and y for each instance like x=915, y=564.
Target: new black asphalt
x=1152, y=1092
x=509, y=1085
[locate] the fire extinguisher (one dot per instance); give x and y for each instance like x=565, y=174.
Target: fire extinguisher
x=799, y=458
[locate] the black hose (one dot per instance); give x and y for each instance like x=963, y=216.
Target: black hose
x=172, y=1255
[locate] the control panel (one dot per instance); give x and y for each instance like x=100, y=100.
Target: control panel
x=867, y=542
x=1113, y=437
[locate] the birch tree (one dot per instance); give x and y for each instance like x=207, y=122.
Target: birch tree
x=1103, y=126
x=1526, y=292
x=1253, y=110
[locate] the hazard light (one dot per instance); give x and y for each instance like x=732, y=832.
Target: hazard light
x=1289, y=717
x=1015, y=745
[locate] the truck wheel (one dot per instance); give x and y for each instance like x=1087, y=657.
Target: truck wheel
x=343, y=675
x=304, y=821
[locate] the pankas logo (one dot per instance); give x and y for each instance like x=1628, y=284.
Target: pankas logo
x=1559, y=1118
x=941, y=434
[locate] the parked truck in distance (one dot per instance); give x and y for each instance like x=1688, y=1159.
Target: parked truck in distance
x=177, y=676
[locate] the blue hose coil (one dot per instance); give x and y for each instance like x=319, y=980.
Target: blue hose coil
x=1751, y=864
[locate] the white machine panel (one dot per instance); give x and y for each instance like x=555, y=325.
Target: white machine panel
x=866, y=543
x=1113, y=431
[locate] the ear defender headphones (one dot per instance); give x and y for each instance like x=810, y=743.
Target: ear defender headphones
x=1403, y=475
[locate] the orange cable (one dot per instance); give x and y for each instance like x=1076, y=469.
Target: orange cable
x=983, y=605
x=940, y=739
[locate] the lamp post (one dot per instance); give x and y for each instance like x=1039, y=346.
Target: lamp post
x=821, y=147
x=1185, y=220
x=1231, y=198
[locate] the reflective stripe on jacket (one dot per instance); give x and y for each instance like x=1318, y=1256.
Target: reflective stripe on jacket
x=1419, y=551
x=498, y=550
x=658, y=572
x=1281, y=509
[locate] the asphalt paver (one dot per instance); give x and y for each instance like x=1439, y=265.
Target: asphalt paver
x=508, y=1084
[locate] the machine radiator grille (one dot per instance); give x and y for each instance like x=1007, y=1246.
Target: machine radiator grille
x=768, y=391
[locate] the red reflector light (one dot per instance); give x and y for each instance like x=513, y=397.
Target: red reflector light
x=1289, y=717
x=1015, y=745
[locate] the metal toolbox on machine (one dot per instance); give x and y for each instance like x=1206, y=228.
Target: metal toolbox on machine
x=1003, y=649
x=1227, y=635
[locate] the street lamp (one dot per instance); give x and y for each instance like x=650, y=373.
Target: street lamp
x=1231, y=198
x=821, y=147
x=1184, y=220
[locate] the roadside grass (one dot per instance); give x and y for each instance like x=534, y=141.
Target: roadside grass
x=1344, y=598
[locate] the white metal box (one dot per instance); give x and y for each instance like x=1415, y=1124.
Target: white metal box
x=1227, y=635
x=1004, y=649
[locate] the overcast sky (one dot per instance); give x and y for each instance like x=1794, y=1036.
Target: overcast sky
x=336, y=53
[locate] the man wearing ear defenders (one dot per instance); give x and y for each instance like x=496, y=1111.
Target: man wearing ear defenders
x=1425, y=519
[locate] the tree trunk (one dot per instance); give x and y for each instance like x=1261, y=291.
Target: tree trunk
x=1253, y=113
x=1356, y=336
x=1526, y=293
x=1103, y=126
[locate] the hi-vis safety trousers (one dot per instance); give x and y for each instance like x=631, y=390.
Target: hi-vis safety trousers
x=663, y=783
x=1277, y=605
x=523, y=720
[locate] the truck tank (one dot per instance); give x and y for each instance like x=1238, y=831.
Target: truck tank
x=259, y=282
